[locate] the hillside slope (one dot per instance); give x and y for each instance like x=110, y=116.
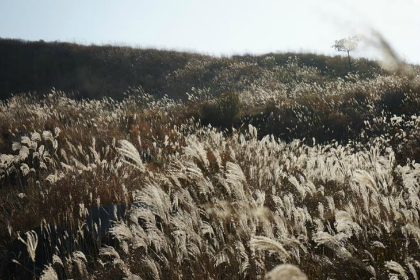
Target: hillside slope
x=98, y=71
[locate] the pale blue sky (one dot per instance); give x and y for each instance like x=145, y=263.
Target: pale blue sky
x=217, y=26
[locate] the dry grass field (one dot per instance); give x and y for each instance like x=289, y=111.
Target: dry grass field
x=282, y=172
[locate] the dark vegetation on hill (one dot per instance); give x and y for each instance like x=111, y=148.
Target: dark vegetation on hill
x=109, y=71
x=291, y=96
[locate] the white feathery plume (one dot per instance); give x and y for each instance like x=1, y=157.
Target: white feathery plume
x=23, y=152
x=378, y=244
x=41, y=150
x=371, y=270
x=326, y=239
x=286, y=271
x=413, y=230
x=319, y=225
x=235, y=178
x=260, y=198
x=57, y=260
x=321, y=210
x=194, y=251
x=331, y=203
x=240, y=248
x=53, y=178
x=57, y=131
x=344, y=223
x=121, y=232
x=128, y=151
x=235, y=171
x=108, y=251
x=181, y=244
x=265, y=243
x=153, y=269
x=31, y=243
x=36, y=137
x=396, y=267
x=195, y=149
x=221, y=258
x=297, y=185
x=16, y=146
x=48, y=273
x=252, y=132
x=47, y=135
x=206, y=228
x=26, y=140
x=365, y=179
x=25, y=169
x=412, y=270
x=79, y=259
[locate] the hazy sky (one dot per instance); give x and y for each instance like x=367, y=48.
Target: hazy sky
x=216, y=26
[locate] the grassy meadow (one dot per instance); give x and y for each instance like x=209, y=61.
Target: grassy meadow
x=256, y=167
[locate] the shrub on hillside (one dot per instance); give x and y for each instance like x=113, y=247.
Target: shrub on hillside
x=223, y=112
x=401, y=99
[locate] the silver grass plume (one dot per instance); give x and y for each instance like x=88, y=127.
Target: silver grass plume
x=25, y=169
x=365, y=179
x=327, y=239
x=195, y=149
x=413, y=271
x=286, y=272
x=36, y=137
x=413, y=230
x=396, y=267
x=128, y=151
x=265, y=243
x=49, y=273
x=80, y=261
x=31, y=243
x=152, y=268
x=244, y=266
x=47, y=135
x=344, y=223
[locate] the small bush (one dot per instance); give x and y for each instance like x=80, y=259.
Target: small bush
x=223, y=112
x=401, y=99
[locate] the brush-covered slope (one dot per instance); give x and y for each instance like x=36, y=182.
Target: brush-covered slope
x=99, y=71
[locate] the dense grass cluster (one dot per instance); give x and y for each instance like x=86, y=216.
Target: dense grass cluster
x=282, y=171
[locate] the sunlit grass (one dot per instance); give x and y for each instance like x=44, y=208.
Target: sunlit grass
x=313, y=179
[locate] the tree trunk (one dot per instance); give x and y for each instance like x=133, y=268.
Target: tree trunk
x=348, y=56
